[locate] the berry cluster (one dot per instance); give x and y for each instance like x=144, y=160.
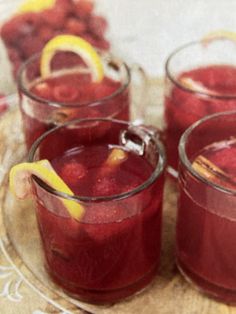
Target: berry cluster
x=27, y=33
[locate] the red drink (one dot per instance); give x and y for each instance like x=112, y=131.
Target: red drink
x=70, y=93
x=114, y=250
x=200, y=81
x=206, y=223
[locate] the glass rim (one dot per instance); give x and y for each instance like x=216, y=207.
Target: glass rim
x=171, y=77
x=156, y=173
x=58, y=104
x=185, y=160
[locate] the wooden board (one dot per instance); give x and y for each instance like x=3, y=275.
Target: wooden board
x=24, y=285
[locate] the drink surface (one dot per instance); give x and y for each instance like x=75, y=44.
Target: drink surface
x=88, y=172
x=184, y=107
x=113, y=251
x=81, y=98
x=74, y=89
x=218, y=79
x=206, y=225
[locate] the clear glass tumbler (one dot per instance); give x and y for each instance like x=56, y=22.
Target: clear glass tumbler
x=69, y=92
x=113, y=250
x=200, y=80
x=206, y=219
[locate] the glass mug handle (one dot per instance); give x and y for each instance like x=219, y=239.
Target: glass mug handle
x=159, y=134
x=139, y=93
x=141, y=141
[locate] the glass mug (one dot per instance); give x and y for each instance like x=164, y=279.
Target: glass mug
x=113, y=250
x=69, y=93
x=200, y=80
x=206, y=219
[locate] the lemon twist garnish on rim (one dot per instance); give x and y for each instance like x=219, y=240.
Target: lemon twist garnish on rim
x=116, y=157
x=36, y=5
x=21, y=186
x=74, y=44
x=219, y=34
x=196, y=86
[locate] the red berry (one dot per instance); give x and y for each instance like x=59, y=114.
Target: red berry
x=105, y=186
x=45, y=33
x=102, y=44
x=42, y=90
x=65, y=60
x=66, y=5
x=72, y=172
x=54, y=17
x=29, y=23
x=8, y=32
x=88, y=37
x=84, y=8
x=97, y=25
x=31, y=45
x=13, y=54
x=19, y=26
x=98, y=43
x=65, y=93
x=75, y=26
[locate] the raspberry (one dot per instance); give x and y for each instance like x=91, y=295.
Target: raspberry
x=65, y=60
x=97, y=25
x=102, y=44
x=55, y=17
x=30, y=45
x=43, y=90
x=18, y=26
x=13, y=55
x=75, y=26
x=96, y=42
x=72, y=172
x=65, y=93
x=84, y=8
x=45, y=33
x=29, y=22
x=66, y=5
x=105, y=186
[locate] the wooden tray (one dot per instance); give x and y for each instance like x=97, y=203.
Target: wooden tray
x=24, y=285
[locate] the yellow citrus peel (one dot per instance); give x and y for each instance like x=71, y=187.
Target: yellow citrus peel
x=36, y=5
x=206, y=168
x=196, y=86
x=219, y=34
x=74, y=44
x=116, y=157
x=21, y=186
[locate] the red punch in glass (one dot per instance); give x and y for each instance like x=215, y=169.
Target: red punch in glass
x=117, y=175
x=69, y=93
x=206, y=220
x=200, y=80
